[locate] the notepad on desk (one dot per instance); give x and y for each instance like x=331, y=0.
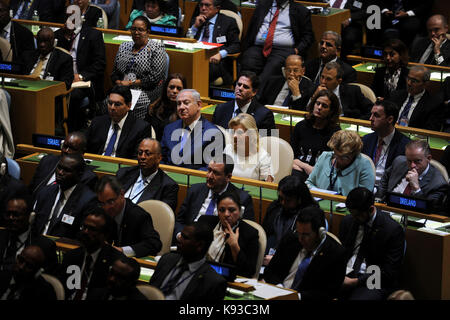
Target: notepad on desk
x=123, y=38
x=81, y=84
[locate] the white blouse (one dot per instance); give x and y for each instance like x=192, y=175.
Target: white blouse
x=256, y=166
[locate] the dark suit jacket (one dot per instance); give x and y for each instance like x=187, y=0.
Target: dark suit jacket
x=91, y=56
x=162, y=187
x=104, y=294
x=263, y=116
x=48, y=247
x=378, y=86
x=354, y=104
x=426, y=115
x=224, y=5
x=300, y=19
x=204, y=135
x=21, y=40
x=396, y=147
x=107, y=256
x=324, y=276
x=385, y=248
x=431, y=185
x=359, y=15
x=91, y=17
x=133, y=131
x=273, y=86
x=420, y=8
x=38, y=289
x=59, y=65
x=205, y=285
x=47, y=167
x=137, y=231
x=78, y=204
x=248, y=242
x=312, y=67
x=225, y=26
x=195, y=197
x=48, y=10
x=421, y=44
x=9, y=186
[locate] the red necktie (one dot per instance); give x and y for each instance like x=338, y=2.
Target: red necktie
x=407, y=190
x=337, y=4
x=378, y=152
x=269, y=39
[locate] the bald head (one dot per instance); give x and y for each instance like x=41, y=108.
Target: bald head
x=45, y=40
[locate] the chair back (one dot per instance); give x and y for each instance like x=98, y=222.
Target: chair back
x=13, y=168
x=236, y=17
x=104, y=16
x=150, y=292
x=5, y=49
x=163, y=221
x=440, y=167
x=56, y=284
x=282, y=156
x=331, y=235
x=366, y=91
x=262, y=240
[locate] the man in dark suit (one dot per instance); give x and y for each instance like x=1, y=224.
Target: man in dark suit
x=48, y=62
x=444, y=97
x=25, y=281
x=8, y=185
x=20, y=37
x=213, y=27
x=121, y=282
x=201, y=197
x=308, y=261
x=245, y=102
x=88, y=48
x=292, y=89
x=353, y=103
x=191, y=141
x=93, y=259
x=185, y=275
x=329, y=48
x=17, y=235
x=146, y=181
x=371, y=238
x=135, y=236
x=45, y=173
x=48, y=10
x=418, y=108
x=118, y=133
x=60, y=207
x=278, y=28
x=413, y=174
x=385, y=143
x=434, y=49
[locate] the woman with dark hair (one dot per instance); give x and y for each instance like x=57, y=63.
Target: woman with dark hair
x=312, y=134
x=140, y=64
x=164, y=110
x=235, y=241
x=156, y=13
x=393, y=75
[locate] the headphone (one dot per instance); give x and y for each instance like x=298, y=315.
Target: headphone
x=322, y=233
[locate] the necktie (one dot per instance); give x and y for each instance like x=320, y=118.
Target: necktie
x=362, y=250
x=205, y=37
x=212, y=205
x=403, y=119
x=54, y=216
x=407, y=190
x=237, y=111
x=112, y=140
x=37, y=71
x=184, y=139
x=10, y=254
x=317, y=79
x=172, y=283
x=84, y=278
x=288, y=99
x=430, y=59
x=4, y=34
x=301, y=272
x=378, y=152
x=337, y=4
x=271, y=32
x=137, y=190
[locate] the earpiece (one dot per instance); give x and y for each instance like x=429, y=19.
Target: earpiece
x=3, y=169
x=322, y=233
x=241, y=212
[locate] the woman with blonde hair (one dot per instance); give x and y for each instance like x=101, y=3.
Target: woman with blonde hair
x=250, y=160
x=343, y=168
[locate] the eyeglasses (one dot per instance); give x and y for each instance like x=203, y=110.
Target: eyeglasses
x=327, y=43
x=146, y=152
x=89, y=228
x=138, y=30
x=202, y=4
x=295, y=70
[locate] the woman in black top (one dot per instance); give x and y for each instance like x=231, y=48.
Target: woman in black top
x=312, y=134
x=393, y=75
x=164, y=110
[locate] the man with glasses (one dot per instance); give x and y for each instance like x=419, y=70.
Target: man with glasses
x=45, y=174
x=117, y=133
x=60, y=206
x=418, y=108
x=329, y=48
x=292, y=89
x=146, y=181
x=134, y=235
x=213, y=27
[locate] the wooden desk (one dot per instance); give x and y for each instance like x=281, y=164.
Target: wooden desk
x=33, y=107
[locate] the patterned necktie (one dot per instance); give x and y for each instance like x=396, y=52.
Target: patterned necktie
x=301, y=272
x=112, y=140
x=37, y=71
x=407, y=190
x=270, y=34
x=205, y=37
x=403, y=119
x=378, y=152
x=137, y=190
x=337, y=4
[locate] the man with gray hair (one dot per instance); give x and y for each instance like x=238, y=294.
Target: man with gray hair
x=191, y=141
x=418, y=108
x=329, y=48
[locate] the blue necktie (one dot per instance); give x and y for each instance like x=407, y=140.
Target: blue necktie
x=403, y=119
x=301, y=272
x=112, y=141
x=184, y=139
x=288, y=98
x=212, y=205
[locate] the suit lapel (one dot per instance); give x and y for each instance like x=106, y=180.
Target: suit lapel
x=131, y=177
x=419, y=110
x=197, y=205
x=69, y=206
x=154, y=186
x=195, y=282
x=81, y=41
